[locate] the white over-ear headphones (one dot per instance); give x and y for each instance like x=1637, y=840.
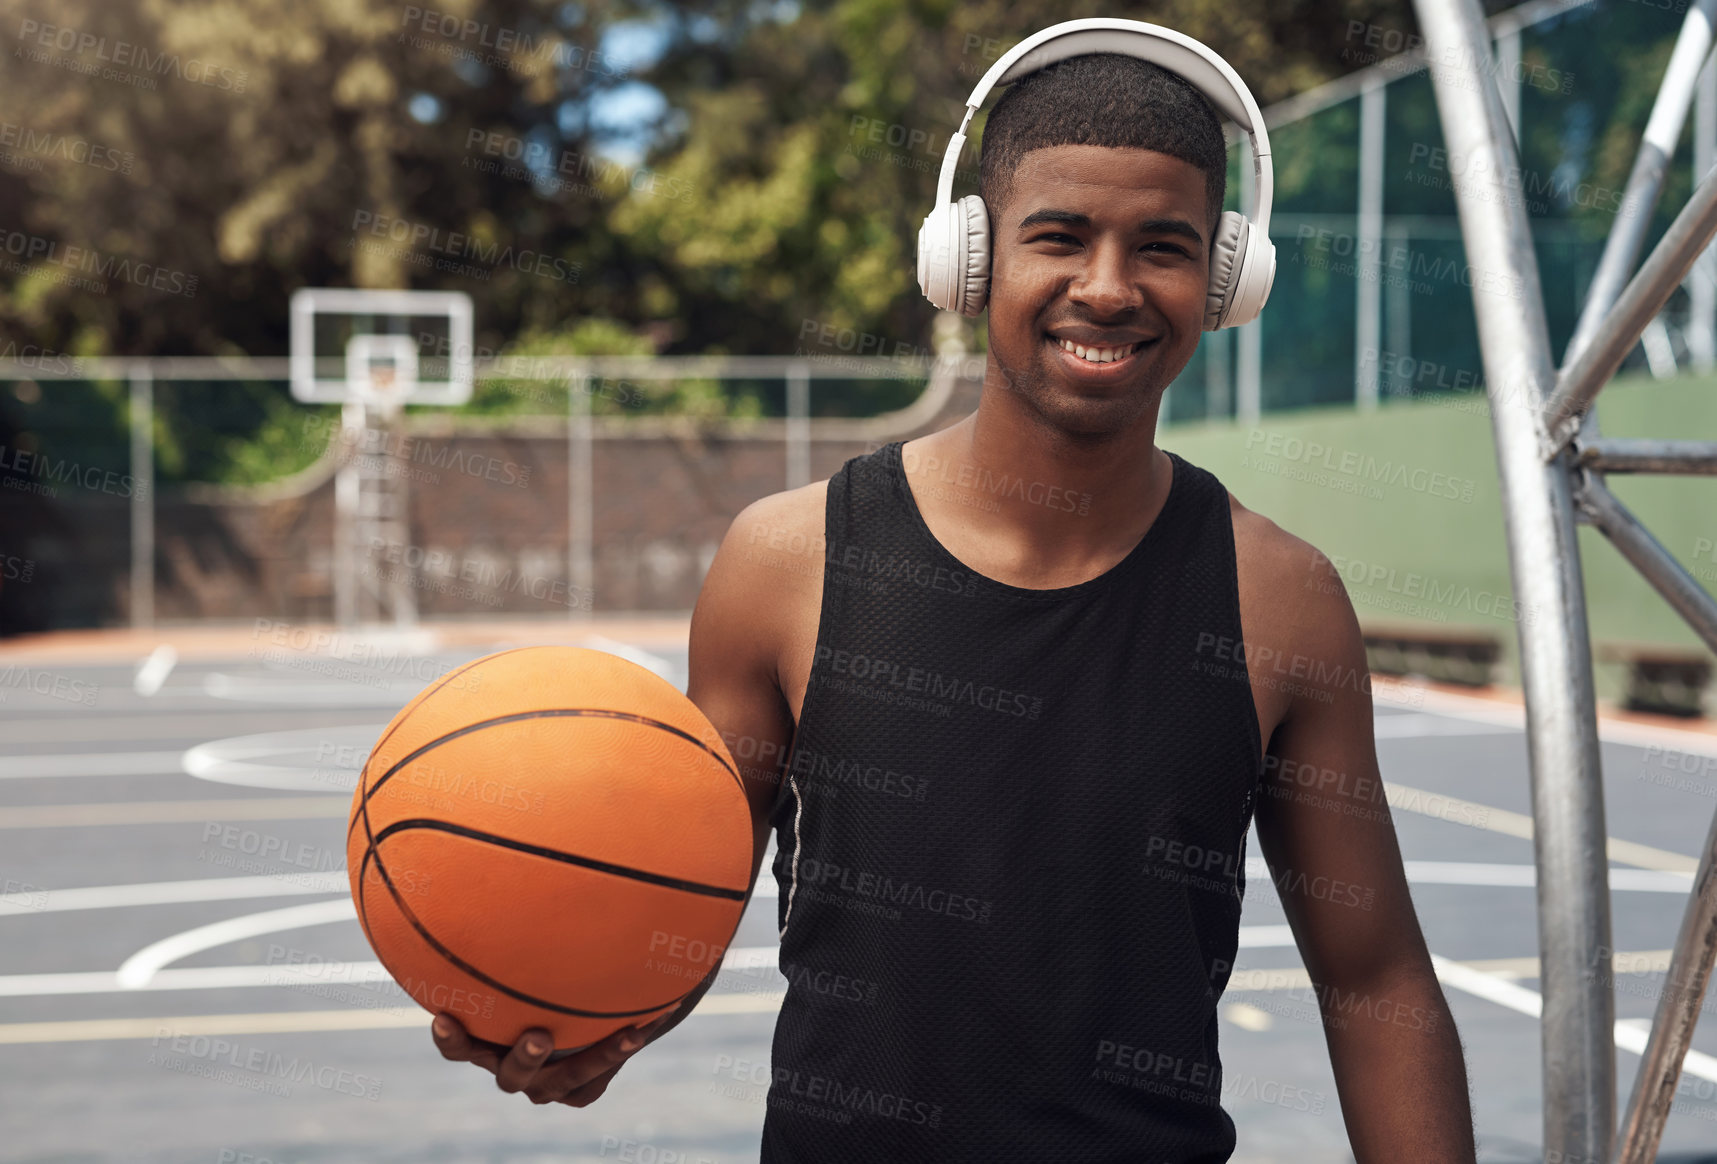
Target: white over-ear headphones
x=954, y=242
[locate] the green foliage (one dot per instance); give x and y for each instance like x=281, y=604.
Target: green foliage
x=782, y=192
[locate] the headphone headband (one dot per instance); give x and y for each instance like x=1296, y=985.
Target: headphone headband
x=1178, y=53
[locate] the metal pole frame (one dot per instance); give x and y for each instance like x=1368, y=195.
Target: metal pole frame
x=1551, y=459
x=142, y=497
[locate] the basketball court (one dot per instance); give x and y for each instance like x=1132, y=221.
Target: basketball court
x=182, y=972
x=182, y=968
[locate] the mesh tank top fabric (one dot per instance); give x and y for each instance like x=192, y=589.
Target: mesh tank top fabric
x=1011, y=845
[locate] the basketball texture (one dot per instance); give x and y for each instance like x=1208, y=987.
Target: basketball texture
x=549, y=837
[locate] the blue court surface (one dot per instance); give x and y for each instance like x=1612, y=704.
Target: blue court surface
x=182, y=978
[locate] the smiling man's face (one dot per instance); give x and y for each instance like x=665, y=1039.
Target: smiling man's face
x=1107, y=249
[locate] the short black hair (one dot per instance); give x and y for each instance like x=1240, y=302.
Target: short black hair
x=1102, y=99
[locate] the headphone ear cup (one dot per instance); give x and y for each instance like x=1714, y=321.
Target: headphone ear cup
x=1255, y=279
x=972, y=274
x=933, y=258
x=1227, y=260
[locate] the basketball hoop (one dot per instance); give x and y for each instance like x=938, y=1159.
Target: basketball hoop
x=381, y=371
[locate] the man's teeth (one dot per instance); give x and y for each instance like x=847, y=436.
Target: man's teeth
x=1097, y=355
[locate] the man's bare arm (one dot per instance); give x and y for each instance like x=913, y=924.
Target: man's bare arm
x=733, y=670
x=1325, y=829
x=734, y=644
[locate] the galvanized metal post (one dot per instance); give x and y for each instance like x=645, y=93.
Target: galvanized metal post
x=1578, y=1046
x=798, y=428
x=1702, y=286
x=580, y=501
x=142, y=496
x=1662, y=130
x=1368, y=323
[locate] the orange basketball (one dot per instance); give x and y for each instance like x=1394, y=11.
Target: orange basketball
x=549, y=837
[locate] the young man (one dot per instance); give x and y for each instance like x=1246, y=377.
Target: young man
x=1034, y=679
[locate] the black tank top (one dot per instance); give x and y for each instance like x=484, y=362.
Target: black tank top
x=1011, y=845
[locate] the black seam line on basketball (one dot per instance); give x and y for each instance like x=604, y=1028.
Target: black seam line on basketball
x=364, y=805
x=462, y=964
x=363, y=918
x=438, y=685
x=548, y=713
x=569, y=858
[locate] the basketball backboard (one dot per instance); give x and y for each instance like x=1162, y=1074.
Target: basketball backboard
x=340, y=334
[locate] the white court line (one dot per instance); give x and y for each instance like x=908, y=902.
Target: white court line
x=309, y=693
x=633, y=654
x=336, y=881
x=176, y=892
x=162, y=977
x=1512, y=876
x=199, y=758
x=195, y=978
x=1629, y=1034
x=60, y=816
x=138, y=969
x=153, y=671
x=726, y=1003
x=1418, y=724
x=1454, y=810
x=1480, y=710
x=91, y=764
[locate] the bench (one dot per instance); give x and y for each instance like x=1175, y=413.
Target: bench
x=1663, y=680
x=1463, y=655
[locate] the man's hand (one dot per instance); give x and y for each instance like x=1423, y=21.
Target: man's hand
x=575, y=1079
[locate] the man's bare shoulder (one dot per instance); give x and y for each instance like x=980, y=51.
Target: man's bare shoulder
x=767, y=575
x=1290, y=587
x=783, y=516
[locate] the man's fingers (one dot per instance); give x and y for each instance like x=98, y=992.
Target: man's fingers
x=518, y=1070
x=451, y=1039
x=586, y=1073
x=453, y=1043
x=590, y=1092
